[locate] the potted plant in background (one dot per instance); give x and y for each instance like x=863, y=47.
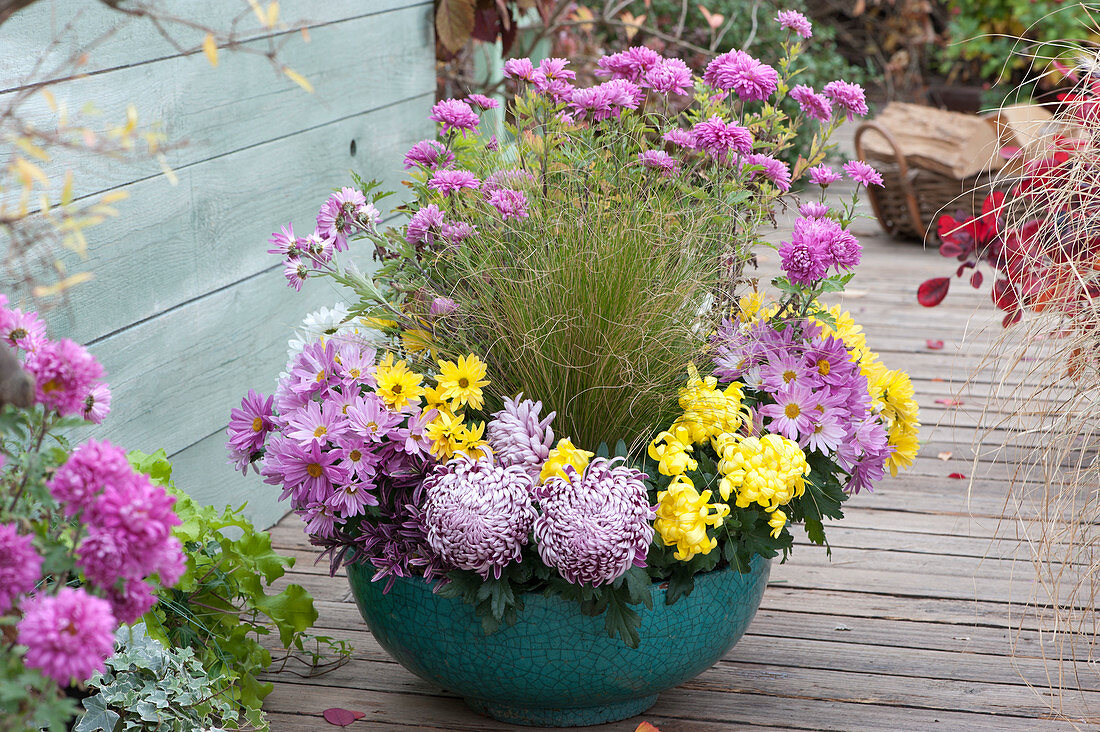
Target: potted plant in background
x=559, y=435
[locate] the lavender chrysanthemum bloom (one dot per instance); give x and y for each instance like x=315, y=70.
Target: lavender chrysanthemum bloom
x=850, y=97
x=450, y=181
x=284, y=242
x=594, y=528
x=90, y=467
x=750, y=79
x=775, y=170
x=670, y=76
x=631, y=64
x=249, y=425
x=341, y=213
x=516, y=178
x=863, y=173
x=64, y=372
x=455, y=232
x=68, y=635
x=519, y=68
x=795, y=22
x=430, y=154
x=813, y=210
x=660, y=160
x=718, y=137
x=442, y=306
x=519, y=436
x=132, y=601
x=812, y=104
x=424, y=225
x=823, y=175
x=20, y=566
x=509, y=203
x=552, y=78
x=97, y=403
x=296, y=272
x=681, y=137
x=480, y=100
x=830, y=243
x=478, y=515
x=455, y=114
x=803, y=259
x=21, y=330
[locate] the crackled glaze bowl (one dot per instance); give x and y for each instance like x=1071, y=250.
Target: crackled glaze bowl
x=557, y=667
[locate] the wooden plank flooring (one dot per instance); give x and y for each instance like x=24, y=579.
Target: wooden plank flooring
x=918, y=621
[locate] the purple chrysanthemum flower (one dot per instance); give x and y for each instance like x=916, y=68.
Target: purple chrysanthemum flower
x=823, y=175
x=516, y=178
x=803, y=259
x=509, y=203
x=140, y=515
x=249, y=425
x=849, y=97
x=424, y=225
x=369, y=418
x=605, y=100
x=307, y=474
x=519, y=68
x=132, y=601
x=296, y=272
x=455, y=232
x=284, y=242
x=480, y=100
x=834, y=244
x=718, y=137
x=97, y=403
x=681, y=137
x=68, y=635
x=519, y=436
x=739, y=72
x=786, y=368
x=660, y=160
x=101, y=556
x=316, y=422
x=449, y=181
x=812, y=104
x=312, y=370
x=352, y=497
x=631, y=64
x=813, y=209
x=552, y=78
x=791, y=415
x=795, y=22
x=442, y=306
x=594, y=528
x=90, y=467
x=430, y=154
x=20, y=566
x=825, y=435
x=478, y=515
x=775, y=170
x=670, y=76
x=355, y=366
x=21, y=330
x=455, y=114
x=863, y=173
x=341, y=213
x=64, y=372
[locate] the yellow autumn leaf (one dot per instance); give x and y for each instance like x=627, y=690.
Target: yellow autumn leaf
x=50, y=101
x=584, y=18
x=59, y=287
x=114, y=196
x=305, y=35
x=272, y=14
x=714, y=20
x=258, y=10
x=633, y=24
x=24, y=144
x=28, y=171
x=67, y=190
x=210, y=48
x=298, y=79
x=170, y=174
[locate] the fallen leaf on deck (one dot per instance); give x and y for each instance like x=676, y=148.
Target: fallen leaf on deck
x=949, y=402
x=945, y=455
x=934, y=345
x=342, y=717
x=957, y=476
x=936, y=378
x=646, y=727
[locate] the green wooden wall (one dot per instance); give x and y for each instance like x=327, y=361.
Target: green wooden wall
x=187, y=311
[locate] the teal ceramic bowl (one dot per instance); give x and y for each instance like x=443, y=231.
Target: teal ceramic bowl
x=557, y=667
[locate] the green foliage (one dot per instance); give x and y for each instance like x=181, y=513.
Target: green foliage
x=221, y=607
x=26, y=695
x=153, y=688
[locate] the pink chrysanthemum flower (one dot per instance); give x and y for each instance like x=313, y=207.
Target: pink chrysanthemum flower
x=455, y=114
x=863, y=173
x=517, y=178
x=739, y=72
x=64, y=372
x=660, y=160
x=21, y=330
x=442, y=306
x=813, y=210
x=480, y=100
x=132, y=601
x=97, y=403
x=831, y=243
x=340, y=215
x=812, y=104
x=823, y=175
x=775, y=170
x=849, y=97
x=355, y=366
x=284, y=242
x=681, y=137
x=786, y=368
x=140, y=516
x=296, y=272
x=631, y=64
x=101, y=556
x=20, y=566
x=315, y=422
x=520, y=436
x=519, y=68
x=249, y=426
x=795, y=22
x=424, y=225
x=430, y=154
x=510, y=204
x=553, y=78
x=68, y=636
x=792, y=413
x=352, y=497
x=90, y=467
x=803, y=259
x=594, y=528
x=670, y=76
x=478, y=515
x=456, y=232
x=307, y=473
x=718, y=138
x=451, y=181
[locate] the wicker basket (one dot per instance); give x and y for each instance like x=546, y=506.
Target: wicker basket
x=912, y=199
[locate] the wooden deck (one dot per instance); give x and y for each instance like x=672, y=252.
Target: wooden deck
x=915, y=623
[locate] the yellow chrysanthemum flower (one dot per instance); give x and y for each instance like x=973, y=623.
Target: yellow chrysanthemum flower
x=460, y=383
x=708, y=411
x=671, y=452
x=906, y=445
x=683, y=515
x=378, y=323
x=564, y=454
x=768, y=470
x=397, y=385
x=433, y=399
x=750, y=306
x=417, y=340
x=471, y=441
x=446, y=432
x=777, y=521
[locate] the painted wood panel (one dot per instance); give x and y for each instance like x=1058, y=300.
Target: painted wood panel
x=187, y=311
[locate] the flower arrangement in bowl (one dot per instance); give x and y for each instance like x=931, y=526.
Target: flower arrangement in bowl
x=554, y=444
